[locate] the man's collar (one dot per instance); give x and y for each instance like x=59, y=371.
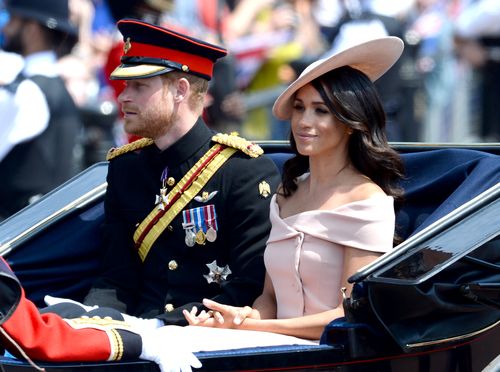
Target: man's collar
x=188, y=145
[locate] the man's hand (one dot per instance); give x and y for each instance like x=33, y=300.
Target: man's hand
x=168, y=347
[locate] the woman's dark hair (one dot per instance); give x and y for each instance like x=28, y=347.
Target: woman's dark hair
x=353, y=100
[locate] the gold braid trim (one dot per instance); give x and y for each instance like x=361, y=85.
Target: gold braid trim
x=235, y=141
x=136, y=145
x=118, y=344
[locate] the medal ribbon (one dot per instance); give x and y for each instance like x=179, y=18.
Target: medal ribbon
x=186, y=189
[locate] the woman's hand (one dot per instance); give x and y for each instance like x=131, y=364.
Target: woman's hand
x=220, y=315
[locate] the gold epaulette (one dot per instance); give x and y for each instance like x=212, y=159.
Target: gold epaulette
x=136, y=145
x=233, y=140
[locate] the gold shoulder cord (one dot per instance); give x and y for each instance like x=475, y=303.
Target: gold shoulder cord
x=233, y=140
x=136, y=145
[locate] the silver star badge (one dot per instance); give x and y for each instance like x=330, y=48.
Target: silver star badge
x=217, y=274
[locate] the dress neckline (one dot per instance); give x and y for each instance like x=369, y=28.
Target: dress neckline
x=332, y=210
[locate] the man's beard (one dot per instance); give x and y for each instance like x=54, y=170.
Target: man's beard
x=155, y=123
x=13, y=43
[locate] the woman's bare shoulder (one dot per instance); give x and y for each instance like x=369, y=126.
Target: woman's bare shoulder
x=362, y=188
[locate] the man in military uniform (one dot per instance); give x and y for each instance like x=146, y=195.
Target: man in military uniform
x=186, y=210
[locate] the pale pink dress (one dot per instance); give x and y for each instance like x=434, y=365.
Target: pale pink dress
x=305, y=251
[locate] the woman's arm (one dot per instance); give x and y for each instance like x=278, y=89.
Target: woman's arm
x=262, y=317
x=265, y=304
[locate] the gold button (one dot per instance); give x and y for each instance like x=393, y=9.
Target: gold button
x=172, y=265
x=169, y=308
x=170, y=181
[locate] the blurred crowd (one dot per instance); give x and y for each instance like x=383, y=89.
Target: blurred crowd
x=444, y=89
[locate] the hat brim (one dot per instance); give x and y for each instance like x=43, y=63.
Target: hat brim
x=58, y=24
x=373, y=58
x=129, y=72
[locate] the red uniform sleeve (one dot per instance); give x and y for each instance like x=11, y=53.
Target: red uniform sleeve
x=48, y=337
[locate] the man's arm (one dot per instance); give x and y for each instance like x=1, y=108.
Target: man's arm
x=117, y=284
x=48, y=337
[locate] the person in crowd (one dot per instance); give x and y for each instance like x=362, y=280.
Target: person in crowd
x=42, y=143
x=186, y=209
x=477, y=41
x=334, y=211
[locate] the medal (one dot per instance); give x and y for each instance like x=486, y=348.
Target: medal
x=200, y=237
x=200, y=225
x=190, y=238
x=217, y=274
x=211, y=222
x=162, y=200
x=211, y=234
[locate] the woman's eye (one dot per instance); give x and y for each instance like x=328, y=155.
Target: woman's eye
x=298, y=107
x=322, y=111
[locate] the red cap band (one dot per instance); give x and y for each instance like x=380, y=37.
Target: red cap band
x=195, y=63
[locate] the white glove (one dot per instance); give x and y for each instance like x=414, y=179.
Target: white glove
x=166, y=347
x=141, y=325
x=50, y=300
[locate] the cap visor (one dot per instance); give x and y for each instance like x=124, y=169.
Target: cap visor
x=127, y=72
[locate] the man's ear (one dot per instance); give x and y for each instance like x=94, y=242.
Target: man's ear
x=182, y=89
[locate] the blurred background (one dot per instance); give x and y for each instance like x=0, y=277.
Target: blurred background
x=445, y=88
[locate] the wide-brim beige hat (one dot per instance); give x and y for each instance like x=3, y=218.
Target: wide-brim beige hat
x=373, y=58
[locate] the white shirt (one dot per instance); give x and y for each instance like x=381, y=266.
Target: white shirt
x=25, y=113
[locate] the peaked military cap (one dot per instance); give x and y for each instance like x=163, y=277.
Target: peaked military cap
x=151, y=50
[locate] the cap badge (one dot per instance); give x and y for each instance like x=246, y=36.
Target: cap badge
x=264, y=189
x=217, y=274
x=127, y=46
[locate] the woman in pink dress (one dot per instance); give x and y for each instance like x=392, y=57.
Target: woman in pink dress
x=334, y=212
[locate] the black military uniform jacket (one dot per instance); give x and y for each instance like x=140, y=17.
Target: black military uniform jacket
x=174, y=275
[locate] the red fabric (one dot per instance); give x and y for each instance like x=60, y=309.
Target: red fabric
x=48, y=337
x=208, y=12
x=112, y=62
x=195, y=62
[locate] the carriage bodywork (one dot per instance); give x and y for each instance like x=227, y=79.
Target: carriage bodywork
x=433, y=303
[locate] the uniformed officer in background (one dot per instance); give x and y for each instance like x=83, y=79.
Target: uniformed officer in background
x=187, y=210
x=40, y=145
